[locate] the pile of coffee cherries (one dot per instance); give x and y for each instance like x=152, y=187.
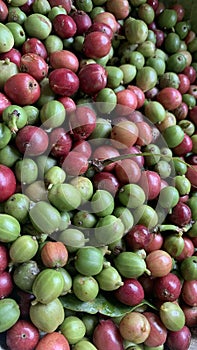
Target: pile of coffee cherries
x=98, y=175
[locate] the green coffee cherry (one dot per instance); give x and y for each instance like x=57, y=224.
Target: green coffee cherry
x=7, y=38
x=73, y=329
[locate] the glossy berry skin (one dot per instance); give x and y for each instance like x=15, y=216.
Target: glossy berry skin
x=31, y=140
x=96, y=45
x=181, y=214
x=75, y=163
x=138, y=237
x=7, y=183
x=167, y=288
x=63, y=82
x=22, y=335
x=92, y=78
x=22, y=89
x=64, y=26
x=131, y=293
x=6, y=284
x=184, y=147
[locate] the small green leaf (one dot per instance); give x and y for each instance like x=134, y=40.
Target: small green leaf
x=100, y=304
x=71, y=302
